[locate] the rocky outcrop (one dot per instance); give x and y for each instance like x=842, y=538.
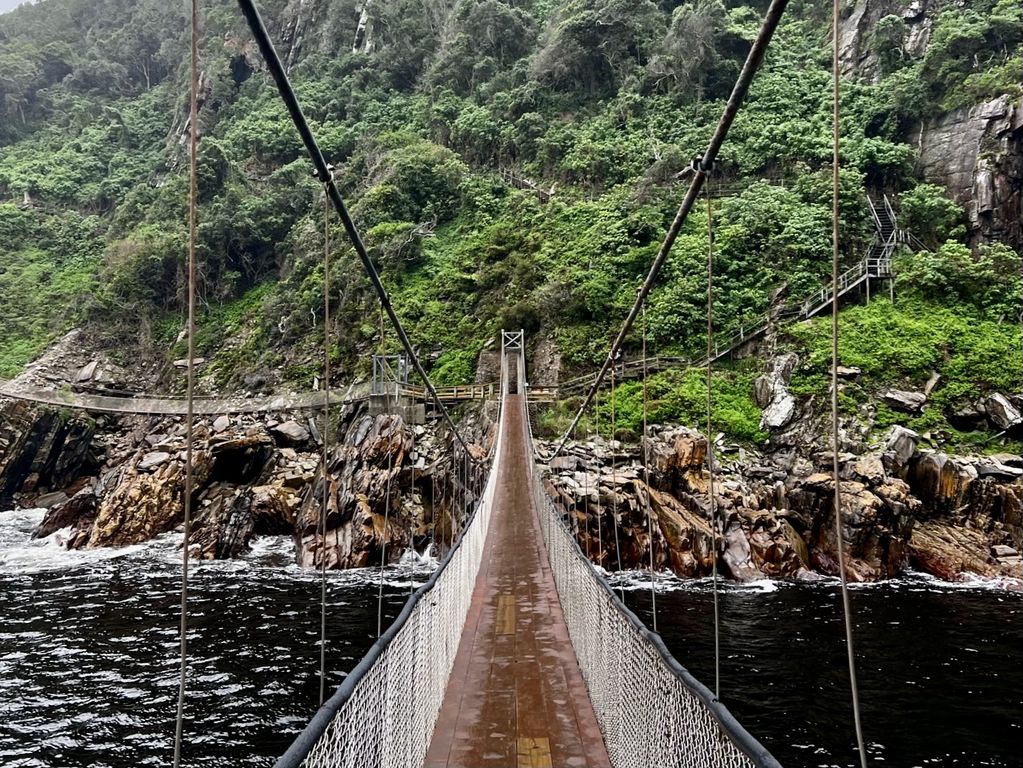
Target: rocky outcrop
x=860, y=18
x=772, y=395
x=900, y=509
x=390, y=487
x=42, y=450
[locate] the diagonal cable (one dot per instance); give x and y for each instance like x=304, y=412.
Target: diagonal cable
x=701, y=168
x=323, y=173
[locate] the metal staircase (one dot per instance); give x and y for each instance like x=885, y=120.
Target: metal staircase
x=876, y=265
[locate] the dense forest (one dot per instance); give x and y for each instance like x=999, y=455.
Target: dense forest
x=511, y=164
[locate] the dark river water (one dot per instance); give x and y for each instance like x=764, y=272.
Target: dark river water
x=88, y=658
x=940, y=667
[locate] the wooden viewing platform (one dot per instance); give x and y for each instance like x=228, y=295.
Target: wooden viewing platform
x=516, y=697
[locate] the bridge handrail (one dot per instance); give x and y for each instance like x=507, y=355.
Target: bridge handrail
x=670, y=741
x=326, y=742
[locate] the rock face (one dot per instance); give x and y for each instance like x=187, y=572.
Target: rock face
x=41, y=450
x=252, y=476
x=772, y=394
x=389, y=487
x=976, y=153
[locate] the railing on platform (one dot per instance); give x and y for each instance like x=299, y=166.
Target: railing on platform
x=384, y=713
x=651, y=710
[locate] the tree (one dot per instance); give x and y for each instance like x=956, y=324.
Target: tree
x=592, y=45
x=688, y=53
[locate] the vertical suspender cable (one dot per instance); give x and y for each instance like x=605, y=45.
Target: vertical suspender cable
x=710, y=443
x=600, y=509
x=835, y=159
x=193, y=205
x=412, y=521
x=614, y=489
x=433, y=513
x=383, y=546
x=326, y=446
x=646, y=481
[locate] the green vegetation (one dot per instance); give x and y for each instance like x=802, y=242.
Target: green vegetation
x=903, y=346
x=602, y=101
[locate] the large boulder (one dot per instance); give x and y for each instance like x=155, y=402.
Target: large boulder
x=904, y=400
x=1001, y=413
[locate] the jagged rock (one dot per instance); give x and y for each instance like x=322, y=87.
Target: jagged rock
x=1000, y=412
x=221, y=424
x=79, y=511
x=902, y=443
x=291, y=433
x=255, y=382
x=183, y=362
x=903, y=400
x=776, y=549
x=848, y=372
x=973, y=152
x=226, y=525
x=952, y=552
x=41, y=450
x=1008, y=459
x=969, y=419
x=87, y=372
x=365, y=511
x=1000, y=551
x=876, y=523
x=998, y=471
x=940, y=482
x=153, y=460
x=565, y=462
x=772, y=395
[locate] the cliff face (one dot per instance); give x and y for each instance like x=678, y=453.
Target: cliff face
x=976, y=153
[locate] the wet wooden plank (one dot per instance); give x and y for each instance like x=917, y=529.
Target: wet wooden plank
x=506, y=615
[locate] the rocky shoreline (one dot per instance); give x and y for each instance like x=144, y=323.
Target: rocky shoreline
x=954, y=517
x=116, y=480
x=120, y=480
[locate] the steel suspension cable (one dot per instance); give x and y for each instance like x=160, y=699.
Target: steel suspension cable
x=193, y=207
x=715, y=536
x=700, y=171
x=646, y=482
x=411, y=521
x=326, y=446
x=836, y=138
x=433, y=512
x=323, y=173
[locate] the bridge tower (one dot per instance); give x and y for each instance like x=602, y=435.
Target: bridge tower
x=389, y=389
x=513, y=362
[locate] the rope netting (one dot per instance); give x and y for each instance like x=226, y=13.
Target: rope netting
x=384, y=713
x=651, y=711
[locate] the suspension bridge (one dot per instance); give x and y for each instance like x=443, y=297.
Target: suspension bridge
x=515, y=652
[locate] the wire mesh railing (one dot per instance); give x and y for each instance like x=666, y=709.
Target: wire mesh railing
x=384, y=713
x=652, y=711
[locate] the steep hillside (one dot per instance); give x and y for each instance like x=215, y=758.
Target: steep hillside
x=511, y=163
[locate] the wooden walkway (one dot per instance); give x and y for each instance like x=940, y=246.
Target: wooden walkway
x=516, y=697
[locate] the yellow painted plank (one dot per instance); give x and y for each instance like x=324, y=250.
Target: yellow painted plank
x=534, y=753
x=506, y=615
